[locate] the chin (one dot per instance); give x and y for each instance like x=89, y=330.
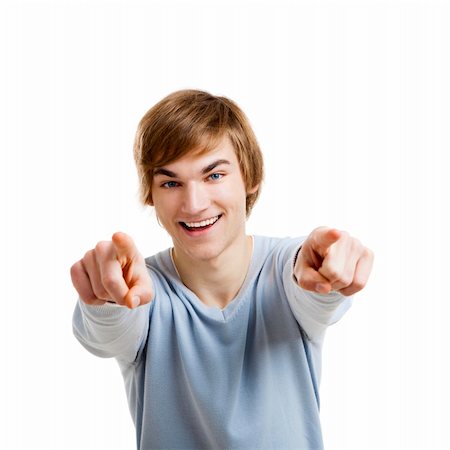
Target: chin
x=204, y=252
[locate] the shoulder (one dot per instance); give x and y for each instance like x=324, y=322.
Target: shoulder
x=277, y=248
x=272, y=255
x=160, y=266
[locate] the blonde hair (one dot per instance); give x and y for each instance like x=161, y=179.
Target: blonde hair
x=195, y=121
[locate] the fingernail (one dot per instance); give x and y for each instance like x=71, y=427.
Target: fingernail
x=135, y=301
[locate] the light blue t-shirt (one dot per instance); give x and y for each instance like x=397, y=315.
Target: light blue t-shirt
x=198, y=377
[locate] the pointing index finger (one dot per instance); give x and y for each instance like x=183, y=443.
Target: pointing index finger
x=326, y=237
x=125, y=248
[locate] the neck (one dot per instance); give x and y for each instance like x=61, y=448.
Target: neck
x=217, y=281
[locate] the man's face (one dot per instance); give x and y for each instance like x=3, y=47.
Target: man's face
x=201, y=202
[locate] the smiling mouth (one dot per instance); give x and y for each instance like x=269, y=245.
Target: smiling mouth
x=202, y=225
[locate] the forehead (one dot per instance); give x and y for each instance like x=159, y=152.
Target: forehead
x=196, y=161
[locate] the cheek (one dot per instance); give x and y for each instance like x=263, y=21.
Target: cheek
x=235, y=191
x=234, y=198
x=163, y=213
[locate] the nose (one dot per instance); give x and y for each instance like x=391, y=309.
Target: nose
x=195, y=199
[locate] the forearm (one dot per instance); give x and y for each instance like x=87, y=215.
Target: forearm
x=314, y=312
x=109, y=331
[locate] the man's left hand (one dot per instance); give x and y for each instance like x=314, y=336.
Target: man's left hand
x=330, y=259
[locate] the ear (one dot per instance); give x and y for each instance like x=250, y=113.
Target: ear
x=253, y=189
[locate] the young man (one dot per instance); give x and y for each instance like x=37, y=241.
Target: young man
x=218, y=338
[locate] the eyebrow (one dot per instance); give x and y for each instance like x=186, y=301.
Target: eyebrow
x=205, y=170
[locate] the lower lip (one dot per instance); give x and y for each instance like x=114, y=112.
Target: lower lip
x=201, y=232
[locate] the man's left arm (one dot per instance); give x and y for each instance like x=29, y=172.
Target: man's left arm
x=327, y=269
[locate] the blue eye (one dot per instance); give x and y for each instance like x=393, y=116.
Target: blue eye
x=170, y=184
x=216, y=176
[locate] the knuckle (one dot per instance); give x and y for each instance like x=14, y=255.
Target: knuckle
x=100, y=293
x=304, y=283
x=75, y=270
x=346, y=280
x=102, y=247
x=110, y=281
x=341, y=283
x=347, y=292
x=89, y=255
x=78, y=277
x=89, y=300
x=333, y=274
x=369, y=253
x=358, y=285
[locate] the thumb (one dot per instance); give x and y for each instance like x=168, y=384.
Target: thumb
x=310, y=279
x=140, y=293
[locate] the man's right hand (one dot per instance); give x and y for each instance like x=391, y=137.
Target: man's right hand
x=113, y=271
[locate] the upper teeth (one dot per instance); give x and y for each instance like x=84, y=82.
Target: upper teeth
x=203, y=223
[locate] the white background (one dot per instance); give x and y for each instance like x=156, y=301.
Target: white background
x=350, y=103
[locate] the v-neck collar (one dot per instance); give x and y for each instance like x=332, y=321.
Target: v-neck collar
x=230, y=308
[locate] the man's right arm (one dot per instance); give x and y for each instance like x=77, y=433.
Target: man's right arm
x=111, y=331
x=112, y=281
